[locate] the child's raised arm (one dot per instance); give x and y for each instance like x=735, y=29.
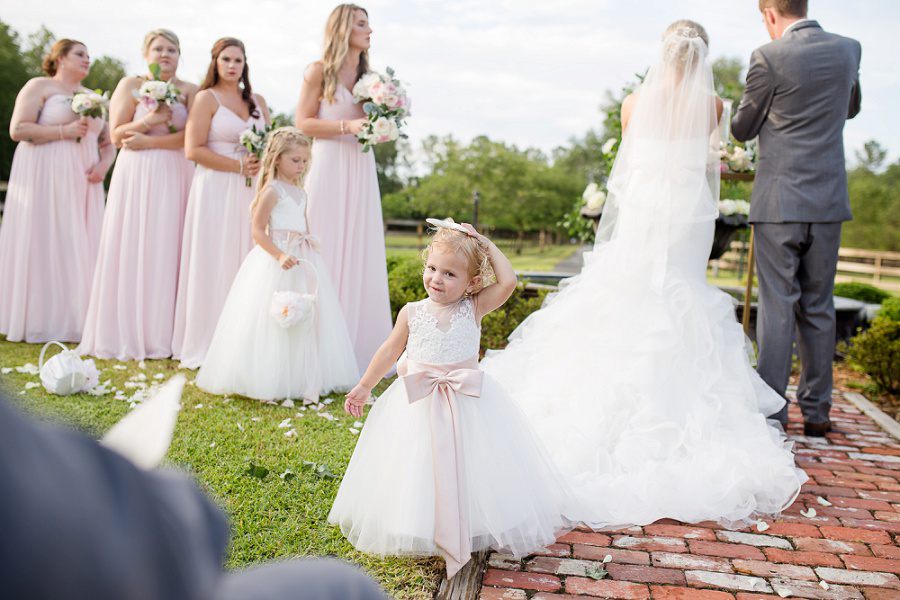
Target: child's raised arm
x=383, y=360
x=267, y=199
x=492, y=297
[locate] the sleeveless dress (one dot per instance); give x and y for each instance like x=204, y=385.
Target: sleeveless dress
x=345, y=210
x=50, y=233
x=250, y=353
x=636, y=374
x=401, y=495
x=216, y=239
x=132, y=308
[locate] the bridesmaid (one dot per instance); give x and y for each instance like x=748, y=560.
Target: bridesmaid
x=132, y=308
x=217, y=223
x=344, y=202
x=54, y=204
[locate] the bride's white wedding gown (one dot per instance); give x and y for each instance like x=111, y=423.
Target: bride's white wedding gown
x=636, y=374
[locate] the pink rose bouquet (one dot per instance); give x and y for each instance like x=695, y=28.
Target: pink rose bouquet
x=386, y=105
x=90, y=104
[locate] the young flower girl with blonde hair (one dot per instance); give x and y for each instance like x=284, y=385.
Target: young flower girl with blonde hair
x=446, y=463
x=281, y=334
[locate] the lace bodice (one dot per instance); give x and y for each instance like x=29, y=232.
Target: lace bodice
x=439, y=335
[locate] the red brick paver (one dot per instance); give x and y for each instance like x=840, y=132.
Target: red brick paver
x=850, y=549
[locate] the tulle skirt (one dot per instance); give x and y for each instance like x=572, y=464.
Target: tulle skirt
x=252, y=355
x=517, y=500
x=645, y=396
x=216, y=240
x=132, y=307
x=48, y=240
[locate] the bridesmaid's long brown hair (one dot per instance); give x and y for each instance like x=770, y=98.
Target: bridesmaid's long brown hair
x=212, y=74
x=337, y=44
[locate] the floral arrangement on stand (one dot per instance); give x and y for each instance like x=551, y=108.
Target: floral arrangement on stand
x=386, y=104
x=90, y=104
x=738, y=159
x=734, y=212
x=154, y=92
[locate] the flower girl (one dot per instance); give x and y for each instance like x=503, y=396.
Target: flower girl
x=281, y=333
x=446, y=463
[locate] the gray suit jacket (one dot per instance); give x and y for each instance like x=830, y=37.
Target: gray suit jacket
x=800, y=90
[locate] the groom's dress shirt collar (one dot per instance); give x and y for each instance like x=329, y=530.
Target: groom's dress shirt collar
x=797, y=22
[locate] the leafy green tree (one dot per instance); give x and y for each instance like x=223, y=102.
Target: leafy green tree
x=13, y=75
x=105, y=74
x=875, y=201
x=872, y=156
x=727, y=77
x=390, y=158
x=37, y=47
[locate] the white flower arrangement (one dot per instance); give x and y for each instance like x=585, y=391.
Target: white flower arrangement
x=593, y=197
x=154, y=92
x=90, y=104
x=386, y=105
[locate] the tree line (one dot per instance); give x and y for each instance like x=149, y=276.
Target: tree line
x=520, y=190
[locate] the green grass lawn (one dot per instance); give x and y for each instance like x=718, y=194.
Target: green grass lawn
x=215, y=441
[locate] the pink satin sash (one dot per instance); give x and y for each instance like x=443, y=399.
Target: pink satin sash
x=442, y=383
x=293, y=240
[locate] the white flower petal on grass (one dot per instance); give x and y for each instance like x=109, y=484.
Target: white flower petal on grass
x=28, y=369
x=213, y=445
x=199, y=406
x=285, y=424
x=288, y=403
x=354, y=431
x=357, y=424
x=823, y=501
x=327, y=400
x=31, y=385
x=142, y=365
x=286, y=473
x=328, y=416
x=782, y=592
x=290, y=433
x=809, y=513
x=607, y=558
x=254, y=419
x=159, y=376
x=120, y=367
x=22, y=392
x=241, y=427
x=761, y=525
x=6, y=370
x=823, y=585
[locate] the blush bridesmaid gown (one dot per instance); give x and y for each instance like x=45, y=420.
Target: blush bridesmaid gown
x=132, y=308
x=216, y=239
x=50, y=233
x=345, y=212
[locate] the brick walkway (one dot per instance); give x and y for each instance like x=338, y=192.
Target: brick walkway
x=847, y=550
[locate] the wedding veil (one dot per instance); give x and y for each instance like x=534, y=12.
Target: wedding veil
x=665, y=179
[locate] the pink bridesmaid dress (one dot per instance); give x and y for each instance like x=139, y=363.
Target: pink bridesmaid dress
x=50, y=233
x=132, y=307
x=345, y=212
x=216, y=239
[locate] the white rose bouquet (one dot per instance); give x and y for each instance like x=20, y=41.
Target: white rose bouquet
x=386, y=105
x=155, y=91
x=736, y=159
x=254, y=140
x=90, y=104
x=734, y=212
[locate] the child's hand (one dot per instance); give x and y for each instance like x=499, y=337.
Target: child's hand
x=356, y=399
x=473, y=233
x=287, y=261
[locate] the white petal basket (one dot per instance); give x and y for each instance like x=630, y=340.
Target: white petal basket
x=64, y=373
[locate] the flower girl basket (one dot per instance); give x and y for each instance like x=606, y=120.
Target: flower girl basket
x=64, y=373
x=296, y=308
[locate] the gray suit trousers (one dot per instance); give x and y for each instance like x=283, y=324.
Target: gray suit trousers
x=796, y=264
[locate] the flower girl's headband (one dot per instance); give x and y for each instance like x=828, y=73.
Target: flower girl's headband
x=449, y=224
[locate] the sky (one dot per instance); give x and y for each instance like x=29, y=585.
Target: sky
x=532, y=73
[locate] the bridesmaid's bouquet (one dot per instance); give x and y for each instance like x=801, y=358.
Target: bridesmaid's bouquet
x=90, y=104
x=254, y=140
x=155, y=91
x=386, y=106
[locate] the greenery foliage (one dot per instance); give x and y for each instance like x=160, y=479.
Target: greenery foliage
x=863, y=292
x=890, y=310
x=877, y=352
x=875, y=201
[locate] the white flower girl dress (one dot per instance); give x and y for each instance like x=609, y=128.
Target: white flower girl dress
x=446, y=463
x=251, y=354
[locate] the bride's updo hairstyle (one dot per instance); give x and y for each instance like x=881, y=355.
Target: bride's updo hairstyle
x=679, y=42
x=478, y=263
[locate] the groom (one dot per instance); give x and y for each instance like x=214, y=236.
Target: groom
x=801, y=88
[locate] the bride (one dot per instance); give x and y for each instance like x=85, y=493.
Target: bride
x=636, y=374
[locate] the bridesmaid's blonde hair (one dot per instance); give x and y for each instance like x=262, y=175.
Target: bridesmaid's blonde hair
x=337, y=45
x=280, y=141
x=163, y=33
x=478, y=263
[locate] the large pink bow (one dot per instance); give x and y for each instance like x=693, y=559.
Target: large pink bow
x=293, y=240
x=442, y=383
